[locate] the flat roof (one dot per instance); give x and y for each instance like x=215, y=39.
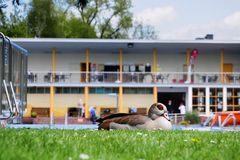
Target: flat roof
x=70, y=45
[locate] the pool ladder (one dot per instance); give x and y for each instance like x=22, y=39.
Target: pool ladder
x=228, y=118
x=12, y=102
x=219, y=118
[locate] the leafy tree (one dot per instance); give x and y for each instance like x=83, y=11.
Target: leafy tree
x=110, y=18
x=77, y=29
x=15, y=24
x=141, y=31
x=43, y=19
x=16, y=27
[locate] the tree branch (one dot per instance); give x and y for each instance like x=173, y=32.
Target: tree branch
x=107, y=23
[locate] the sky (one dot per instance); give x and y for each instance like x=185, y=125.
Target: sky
x=189, y=19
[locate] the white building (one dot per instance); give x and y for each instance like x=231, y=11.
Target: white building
x=137, y=72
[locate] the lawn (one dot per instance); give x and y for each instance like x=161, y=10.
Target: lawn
x=91, y=144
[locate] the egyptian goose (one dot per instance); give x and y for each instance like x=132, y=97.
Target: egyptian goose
x=157, y=118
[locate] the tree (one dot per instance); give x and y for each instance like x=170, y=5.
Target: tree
x=77, y=29
x=16, y=26
x=82, y=3
x=110, y=18
x=43, y=19
x=13, y=25
x=141, y=31
x=3, y=3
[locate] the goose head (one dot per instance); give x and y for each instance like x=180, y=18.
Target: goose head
x=157, y=110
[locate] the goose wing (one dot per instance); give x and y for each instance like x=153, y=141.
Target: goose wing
x=132, y=120
x=117, y=115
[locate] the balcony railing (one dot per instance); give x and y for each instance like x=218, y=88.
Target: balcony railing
x=135, y=77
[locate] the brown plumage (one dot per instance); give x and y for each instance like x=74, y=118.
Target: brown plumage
x=134, y=121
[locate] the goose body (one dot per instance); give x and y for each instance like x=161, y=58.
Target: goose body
x=157, y=118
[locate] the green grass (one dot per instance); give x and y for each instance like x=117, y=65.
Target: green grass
x=127, y=145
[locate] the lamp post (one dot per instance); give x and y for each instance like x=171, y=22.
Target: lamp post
x=115, y=95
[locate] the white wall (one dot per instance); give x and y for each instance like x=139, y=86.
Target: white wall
x=171, y=62
x=40, y=62
x=207, y=62
x=166, y=62
x=69, y=62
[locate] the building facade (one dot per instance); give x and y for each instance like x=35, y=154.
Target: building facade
x=125, y=74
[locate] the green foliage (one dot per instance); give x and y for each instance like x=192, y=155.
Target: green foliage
x=110, y=18
x=15, y=24
x=33, y=114
x=42, y=19
x=78, y=29
x=193, y=118
x=28, y=144
x=73, y=19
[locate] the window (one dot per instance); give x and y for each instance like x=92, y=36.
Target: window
x=103, y=90
x=199, y=98
x=137, y=90
x=58, y=90
x=233, y=99
x=216, y=99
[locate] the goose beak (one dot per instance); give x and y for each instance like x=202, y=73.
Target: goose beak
x=165, y=115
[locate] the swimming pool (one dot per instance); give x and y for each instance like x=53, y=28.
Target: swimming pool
x=95, y=126
x=54, y=126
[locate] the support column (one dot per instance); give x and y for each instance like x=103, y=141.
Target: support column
x=224, y=99
x=189, y=102
x=1, y=69
x=121, y=80
x=52, y=88
x=121, y=65
x=188, y=56
x=207, y=99
x=86, y=92
x=120, y=99
x=189, y=67
x=154, y=75
x=221, y=65
x=87, y=65
x=86, y=89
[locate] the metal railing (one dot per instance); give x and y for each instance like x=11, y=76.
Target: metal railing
x=135, y=77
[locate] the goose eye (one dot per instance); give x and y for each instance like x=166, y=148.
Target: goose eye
x=160, y=107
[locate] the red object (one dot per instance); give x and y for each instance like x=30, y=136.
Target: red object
x=194, y=53
x=223, y=116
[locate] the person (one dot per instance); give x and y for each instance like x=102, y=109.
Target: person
x=93, y=115
x=81, y=108
x=170, y=106
x=220, y=106
x=182, y=108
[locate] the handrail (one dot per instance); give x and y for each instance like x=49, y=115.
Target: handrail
x=13, y=111
x=128, y=77
x=9, y=102
x=171, y=72
x=218, y=118
x=208, y=120
x=230, y=116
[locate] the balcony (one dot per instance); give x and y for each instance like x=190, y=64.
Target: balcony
x=132, y=78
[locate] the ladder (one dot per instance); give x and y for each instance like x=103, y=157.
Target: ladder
x=12, y=102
